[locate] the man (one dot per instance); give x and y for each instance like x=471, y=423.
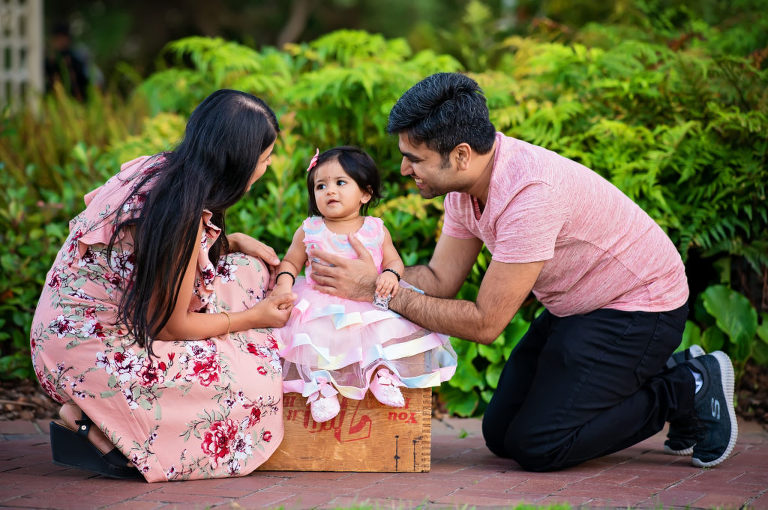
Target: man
x=590, y=376
x=67, y=64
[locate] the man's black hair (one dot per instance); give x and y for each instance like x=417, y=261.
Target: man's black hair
x=444, y=110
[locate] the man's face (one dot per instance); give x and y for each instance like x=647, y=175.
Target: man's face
x=426, y=167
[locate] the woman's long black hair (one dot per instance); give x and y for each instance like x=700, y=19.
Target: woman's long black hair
x=210, y=169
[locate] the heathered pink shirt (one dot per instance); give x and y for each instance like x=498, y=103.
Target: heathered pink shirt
x=601, y=249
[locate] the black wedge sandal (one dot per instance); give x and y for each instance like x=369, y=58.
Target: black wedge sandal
x=73, y=449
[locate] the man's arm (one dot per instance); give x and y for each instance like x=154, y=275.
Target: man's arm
x=356, y=278
x=502, y=291
x=450, y=264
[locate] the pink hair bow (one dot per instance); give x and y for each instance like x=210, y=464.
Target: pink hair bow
x=314, y=160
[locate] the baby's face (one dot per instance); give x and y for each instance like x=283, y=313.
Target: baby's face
x=337, y=195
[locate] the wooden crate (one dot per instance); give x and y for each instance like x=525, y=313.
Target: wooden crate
x=365, y=436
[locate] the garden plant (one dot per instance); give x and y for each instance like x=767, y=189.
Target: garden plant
x=674, y=113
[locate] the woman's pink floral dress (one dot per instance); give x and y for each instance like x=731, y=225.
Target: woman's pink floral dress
x=199, y=409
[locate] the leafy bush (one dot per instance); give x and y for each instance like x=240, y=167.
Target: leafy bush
x=48, y=161
x=680, y=128
x=726, y=320
x=333, y=91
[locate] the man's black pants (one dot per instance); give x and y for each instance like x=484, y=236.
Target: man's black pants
x=579, y=387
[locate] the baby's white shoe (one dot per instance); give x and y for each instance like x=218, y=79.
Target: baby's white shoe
x=324, y=408
x=384, y=387
x=324, y=403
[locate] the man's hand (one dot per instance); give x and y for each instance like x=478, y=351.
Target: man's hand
x=348, y=278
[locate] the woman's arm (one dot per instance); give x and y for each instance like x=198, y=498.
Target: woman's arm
x=255, y=248
x=186, y=325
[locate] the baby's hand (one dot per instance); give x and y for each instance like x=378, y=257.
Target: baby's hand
x=386, y=284
x=284, y=285
x=281, y=288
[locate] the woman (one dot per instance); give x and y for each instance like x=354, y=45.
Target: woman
x=154, y=325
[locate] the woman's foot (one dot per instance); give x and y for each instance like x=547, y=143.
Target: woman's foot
x=384, y=387
x=70, y=414
x=85, y=447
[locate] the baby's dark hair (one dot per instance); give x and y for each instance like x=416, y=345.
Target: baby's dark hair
x=357, y=164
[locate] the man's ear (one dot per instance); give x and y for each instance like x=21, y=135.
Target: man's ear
x=462, y=154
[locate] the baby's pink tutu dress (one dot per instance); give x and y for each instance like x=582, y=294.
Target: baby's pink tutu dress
x=337, y=341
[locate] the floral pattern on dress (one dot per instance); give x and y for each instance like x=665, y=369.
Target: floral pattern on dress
x=196, y=409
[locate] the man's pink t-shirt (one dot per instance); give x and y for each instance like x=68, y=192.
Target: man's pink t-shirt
x=601, y=249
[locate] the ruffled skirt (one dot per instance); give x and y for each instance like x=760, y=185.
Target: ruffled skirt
x=346, y=341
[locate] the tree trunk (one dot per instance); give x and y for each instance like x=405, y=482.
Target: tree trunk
x=297, y=22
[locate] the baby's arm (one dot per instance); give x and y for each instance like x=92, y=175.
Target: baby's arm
x=294, y=260
x=387, y=282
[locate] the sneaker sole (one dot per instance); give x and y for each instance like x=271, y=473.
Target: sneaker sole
x=726, y=371
x=687, y=451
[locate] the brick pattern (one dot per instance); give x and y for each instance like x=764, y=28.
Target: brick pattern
x=463, y=474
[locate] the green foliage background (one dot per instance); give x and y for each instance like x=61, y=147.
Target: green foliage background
x=673, y=113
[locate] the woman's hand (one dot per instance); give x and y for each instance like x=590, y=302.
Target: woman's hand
x=250, y=246
x=281, y=287
x=349, y=278
x=273, y=311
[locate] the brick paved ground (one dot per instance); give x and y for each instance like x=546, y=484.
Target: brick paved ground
x=464, y=474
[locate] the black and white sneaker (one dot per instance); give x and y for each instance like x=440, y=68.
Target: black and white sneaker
x=717, y=426
x=691, y=352
x=681, y=436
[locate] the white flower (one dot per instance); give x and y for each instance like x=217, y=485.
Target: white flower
x=103, y=362
x=88, y=329
x=200, y=349
x=62, y=326
x=126, y=365
x=233, y=467
x=242, y=446
x=82, y=295
x=122, y=263
x=226, y=272
x=129, y=398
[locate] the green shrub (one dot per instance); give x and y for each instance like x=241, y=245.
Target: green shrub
x=48, y=161
x=681, y=129
x=726, y=320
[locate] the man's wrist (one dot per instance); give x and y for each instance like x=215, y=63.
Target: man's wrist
x=366, y=287
x=400, y=300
